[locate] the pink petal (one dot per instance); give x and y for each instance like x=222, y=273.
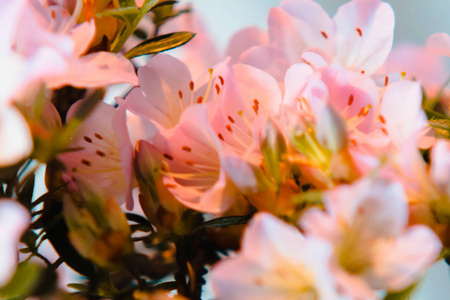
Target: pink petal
x=244, y=40
x=96, y=69
x=365, y=31
x=440, y=166
x=439, y=43
x=14, y=219
x=400, y=262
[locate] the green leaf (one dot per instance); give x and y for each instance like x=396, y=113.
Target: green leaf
x=29, y=239
x=128, y=14
x=402, y=295
x=127, y=3
x=160, y=43
x=24, y=281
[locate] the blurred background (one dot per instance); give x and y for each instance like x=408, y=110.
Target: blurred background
x=416, y=20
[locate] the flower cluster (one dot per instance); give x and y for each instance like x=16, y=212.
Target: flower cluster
x=333, y=148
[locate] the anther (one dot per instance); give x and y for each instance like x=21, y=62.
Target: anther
x=231, y=119
x=199, y=99
x=190, y=163
x=228, y=127
x=170, y=185
x=362, y=71
x=98, y=136
x=87, y=139
x=325, y=35
x=386, y=80
x=217, y=89
x=186, y=148
x=221, y=137
x=191, y=85
x=168, y=156
x=382, y=119
x=180, y=94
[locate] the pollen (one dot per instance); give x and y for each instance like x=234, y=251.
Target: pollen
x=359, y=31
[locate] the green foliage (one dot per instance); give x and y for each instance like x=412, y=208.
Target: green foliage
x=24, y=282
x=160, y=43
x=402, y=295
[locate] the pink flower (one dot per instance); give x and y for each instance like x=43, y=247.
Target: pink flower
x=439, y=43
x=275, y=262
x=101, y=153
x=359, y=36
x=14, y=220
x=366, y=223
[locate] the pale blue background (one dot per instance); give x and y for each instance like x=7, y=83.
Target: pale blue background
x=415, y=21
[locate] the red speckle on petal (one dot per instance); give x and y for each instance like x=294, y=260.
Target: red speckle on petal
x=168, y=156
x=350, y=100
x=359, y=31
x=325, y=35
x=86, y=162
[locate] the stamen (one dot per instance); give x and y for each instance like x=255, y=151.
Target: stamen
x=382, y=119
x=98, y=136
x=86, y=162
x=245, y=119
x=386, y=80
x=362, y=71
x=168, y=156
x=186, y=148
x=87, y=139
x=222, y=81
x=403, y=74
x=228, y=127
x=191, y=85
x=231, y=119
x=199, y=99
x=364, y=110
x=190, y=163
x=385, y=131
x=359, y=31
x=209, y=84
x=100, y=153
x=180, y=94
x=324, y=34
x=221, y=137
x=170, y=185
x=350, y=100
